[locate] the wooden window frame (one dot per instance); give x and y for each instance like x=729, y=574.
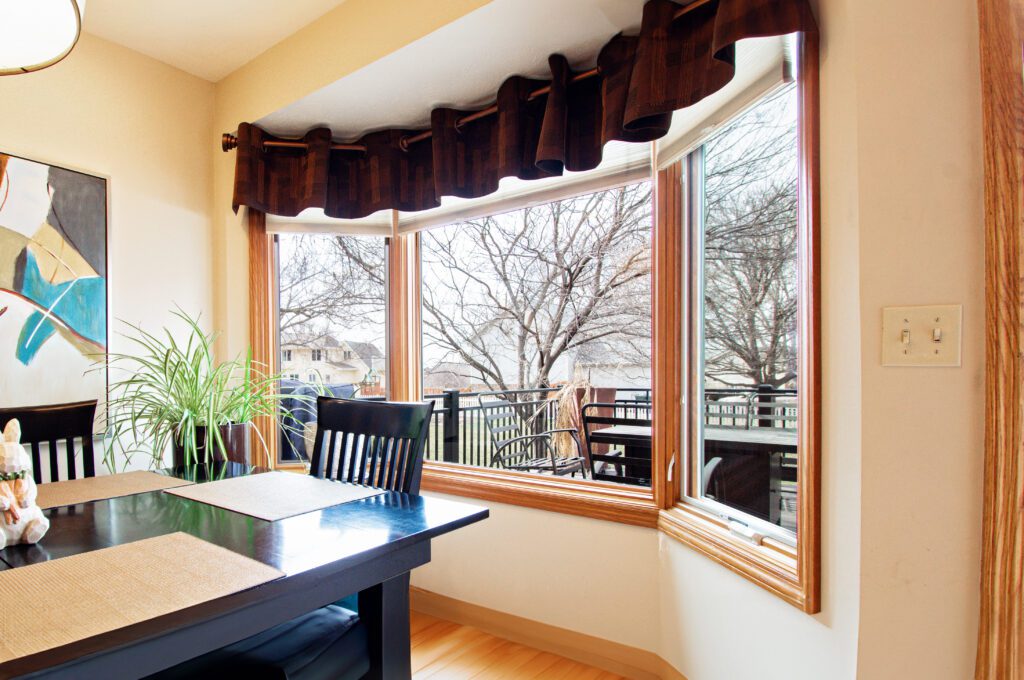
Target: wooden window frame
x=584, y=498
x=262, y=324
x=791, y=572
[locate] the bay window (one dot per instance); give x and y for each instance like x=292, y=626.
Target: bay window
x=669, y=295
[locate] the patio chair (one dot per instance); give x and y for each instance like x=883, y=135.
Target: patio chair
x=627, y=425
x=517, y=443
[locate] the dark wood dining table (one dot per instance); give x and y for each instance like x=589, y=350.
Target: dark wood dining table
x=368, y=546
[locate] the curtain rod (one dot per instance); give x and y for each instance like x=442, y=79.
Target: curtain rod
x=229, y=141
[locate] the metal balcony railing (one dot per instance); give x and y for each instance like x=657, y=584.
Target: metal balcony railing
x=458, y=433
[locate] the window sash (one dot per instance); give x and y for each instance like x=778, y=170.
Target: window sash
x=692, y=167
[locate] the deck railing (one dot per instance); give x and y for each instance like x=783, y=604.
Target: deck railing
x=750, y=408
x=458, y=432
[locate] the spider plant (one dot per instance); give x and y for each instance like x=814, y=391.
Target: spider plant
x=170, y=386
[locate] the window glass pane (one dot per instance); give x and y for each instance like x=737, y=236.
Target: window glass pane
x=745, y=181
x=332, y=324
x=540, y=319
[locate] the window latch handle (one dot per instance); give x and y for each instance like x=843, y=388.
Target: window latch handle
x=741, y=530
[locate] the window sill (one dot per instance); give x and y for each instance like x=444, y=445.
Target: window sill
x=597, y=500
x=772, y=565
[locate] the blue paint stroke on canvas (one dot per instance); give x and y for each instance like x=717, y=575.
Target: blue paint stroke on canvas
x=80, y=304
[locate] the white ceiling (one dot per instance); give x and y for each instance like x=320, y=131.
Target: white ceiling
x=208, y=38
x=459, y=65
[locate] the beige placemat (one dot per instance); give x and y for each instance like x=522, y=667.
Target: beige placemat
x=55, y=603
x=274, y=495
x=55, y=494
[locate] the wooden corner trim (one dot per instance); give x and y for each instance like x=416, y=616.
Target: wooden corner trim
x=595, y=500
x=772, y=566
x=615, y=657
x=262, y=322
x=1000, y=647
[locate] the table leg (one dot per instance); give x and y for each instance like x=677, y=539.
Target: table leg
x=640, y=470
x=384, y=610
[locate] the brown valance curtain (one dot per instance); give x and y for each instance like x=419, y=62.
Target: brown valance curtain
x=673, y=63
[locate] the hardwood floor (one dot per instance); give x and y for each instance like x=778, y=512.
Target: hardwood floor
x=443, y=650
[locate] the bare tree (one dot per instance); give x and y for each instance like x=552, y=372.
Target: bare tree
x=330, y=282
x=750, y=247
x=530, y=287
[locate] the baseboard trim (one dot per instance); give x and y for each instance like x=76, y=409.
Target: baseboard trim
x=630, y=662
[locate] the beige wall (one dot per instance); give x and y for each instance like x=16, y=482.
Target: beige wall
x=921, y=240
x=599, y=578
x=111, y=111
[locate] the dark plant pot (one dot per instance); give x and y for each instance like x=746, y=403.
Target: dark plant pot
x=237, y=442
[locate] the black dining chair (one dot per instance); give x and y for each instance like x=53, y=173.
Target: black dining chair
x=373, y=443
x=53, y=424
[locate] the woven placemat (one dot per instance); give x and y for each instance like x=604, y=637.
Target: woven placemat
x=55, y=603
x=274, y=495
x=56, y=494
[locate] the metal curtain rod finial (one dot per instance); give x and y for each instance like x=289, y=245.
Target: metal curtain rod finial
x=229, y=141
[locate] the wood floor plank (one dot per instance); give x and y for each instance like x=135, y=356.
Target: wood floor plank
x=465, y=662
x=442, y=650
x=538, y=665
x=435, y=650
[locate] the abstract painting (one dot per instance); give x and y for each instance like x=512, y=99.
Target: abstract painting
x=53, y=284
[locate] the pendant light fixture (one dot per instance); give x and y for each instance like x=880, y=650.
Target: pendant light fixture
x=35, y=34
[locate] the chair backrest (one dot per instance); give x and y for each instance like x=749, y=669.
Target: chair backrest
x=375, y=443
x=636, y=414
x=505, y=421
x=52, y=424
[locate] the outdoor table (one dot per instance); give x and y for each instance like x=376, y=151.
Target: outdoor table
x=636, y=443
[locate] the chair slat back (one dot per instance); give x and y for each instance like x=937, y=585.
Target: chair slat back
x=610, y=415
x=506, y=420
x=374, y=443
x=51, y=424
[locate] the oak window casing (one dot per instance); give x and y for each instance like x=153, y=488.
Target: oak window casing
x=790, y=571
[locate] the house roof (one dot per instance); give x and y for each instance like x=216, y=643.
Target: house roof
x=312, y=340
x=344, y=365
x=366, y=351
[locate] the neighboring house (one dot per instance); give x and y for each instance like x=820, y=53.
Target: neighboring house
x=325, y=358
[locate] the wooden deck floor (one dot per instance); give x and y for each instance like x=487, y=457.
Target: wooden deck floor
x=443, y=650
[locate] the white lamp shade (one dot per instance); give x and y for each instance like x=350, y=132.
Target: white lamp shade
x=35, y=34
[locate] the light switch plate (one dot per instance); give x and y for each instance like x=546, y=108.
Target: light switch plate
x=921, y=336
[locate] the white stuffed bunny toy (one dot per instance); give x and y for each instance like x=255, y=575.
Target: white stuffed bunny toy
x=21, y=520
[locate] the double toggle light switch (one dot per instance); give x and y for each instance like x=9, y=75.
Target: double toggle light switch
x=921, y=336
